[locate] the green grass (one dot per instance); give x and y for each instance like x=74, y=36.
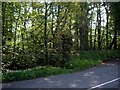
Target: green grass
x=35, y=72
x=90, y=58
x=85, y=60
x=99, y=55
x=78, y=64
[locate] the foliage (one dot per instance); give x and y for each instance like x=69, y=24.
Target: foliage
x=41, y=71
x=85, y=60
x=40, y=34
x=78, y=64
x=99, y=55
x=90, y=58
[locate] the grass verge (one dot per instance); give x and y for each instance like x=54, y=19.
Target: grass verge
x=78, y=64
x=85, y=60
x=35, y=72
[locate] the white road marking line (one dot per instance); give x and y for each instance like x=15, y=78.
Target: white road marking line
x=103, y=84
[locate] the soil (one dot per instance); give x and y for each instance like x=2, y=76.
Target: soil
x=112, y=60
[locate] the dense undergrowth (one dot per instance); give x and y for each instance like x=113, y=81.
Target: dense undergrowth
x=35, y=72
x=90, y=58
x=84, y=60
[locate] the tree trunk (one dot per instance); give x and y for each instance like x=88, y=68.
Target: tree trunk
x=53, y=35
x=91, y=36
x=76, y=33
x=107, y=18
x=95, y=40
x=3, y=25
x=115, y=39
x=45, y=34
x=107, y=30
x=99, y=26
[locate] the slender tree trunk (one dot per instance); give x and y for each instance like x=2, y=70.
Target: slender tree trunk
x=81, y=29
x=76, y=33
x=107, y=18
x=57, y=26
x=53, y=35
x=15, y=38
x=58, y=18
x=91, y=36
x=81, y=38
x=86, y=33
x=95, y=40
x=115, y=39
x=16, y=31
x=99, y=27
x=107, y=31
x=45, y=34
x=3, y=25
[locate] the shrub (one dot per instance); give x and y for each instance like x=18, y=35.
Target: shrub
x=90, y=58
x=85, y=60
x=99, y=55
x=81, y=64
x=35, y=72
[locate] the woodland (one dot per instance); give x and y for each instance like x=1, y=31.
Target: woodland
x=51, y=33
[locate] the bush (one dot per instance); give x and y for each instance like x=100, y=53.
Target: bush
x=15, y=61
x=85, y=60
x=90, y=58
x=81, y=64
x=35, y=72
x=99, y=55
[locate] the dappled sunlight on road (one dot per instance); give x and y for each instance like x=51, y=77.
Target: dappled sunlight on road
x=73, y=85
x=89, y=74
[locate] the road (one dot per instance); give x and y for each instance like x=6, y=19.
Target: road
x=103, y=76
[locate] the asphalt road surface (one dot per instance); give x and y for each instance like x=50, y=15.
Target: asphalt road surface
x=103, y=76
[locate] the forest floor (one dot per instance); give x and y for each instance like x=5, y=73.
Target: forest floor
x=106, y=75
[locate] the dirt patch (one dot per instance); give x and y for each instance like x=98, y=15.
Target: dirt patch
x=112, y=60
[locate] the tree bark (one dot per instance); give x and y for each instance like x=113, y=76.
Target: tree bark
x=99, y=26
x=45, y=34
x=3, y=25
